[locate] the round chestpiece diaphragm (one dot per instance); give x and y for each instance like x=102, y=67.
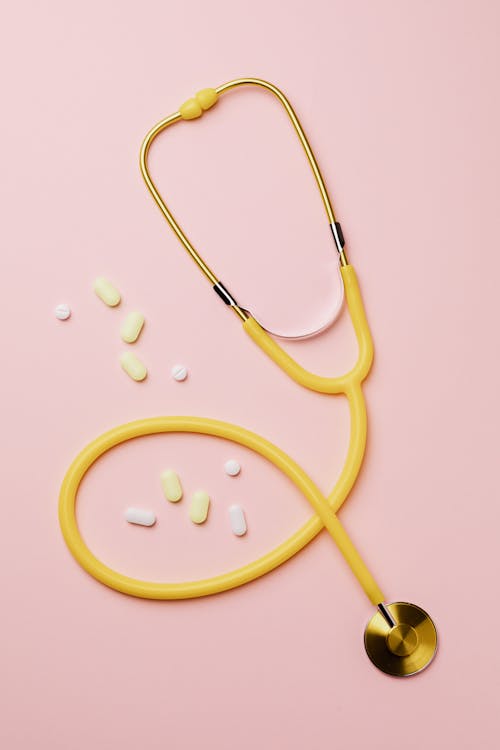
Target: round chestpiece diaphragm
x=405, y=649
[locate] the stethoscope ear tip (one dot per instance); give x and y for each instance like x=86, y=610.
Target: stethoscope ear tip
x=401, y=639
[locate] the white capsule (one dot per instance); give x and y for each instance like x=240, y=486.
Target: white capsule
x=62, y=312
x=107, y=292
x=198, y=510
x=140, y=516
x=237, y=520
x=179, y=372
x=132, y=327
x=232, y=467
x=133, y=366
x=171, y=485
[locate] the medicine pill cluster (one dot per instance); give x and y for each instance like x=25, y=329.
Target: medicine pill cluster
x=199, y=503
x=130, y=332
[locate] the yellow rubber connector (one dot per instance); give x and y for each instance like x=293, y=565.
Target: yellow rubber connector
x=206, y=98
x=195, y=107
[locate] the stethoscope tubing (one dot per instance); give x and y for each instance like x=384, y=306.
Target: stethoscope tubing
x=349, y=384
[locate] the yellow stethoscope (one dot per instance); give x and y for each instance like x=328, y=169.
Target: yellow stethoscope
x=400, y=638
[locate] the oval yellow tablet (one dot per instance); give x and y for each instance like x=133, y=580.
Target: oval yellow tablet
x=133, y=366
x=107, y=292
x=198, y=510
x=132, y=327
x=171, y=485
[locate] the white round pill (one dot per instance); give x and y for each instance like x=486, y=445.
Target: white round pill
x=179, y=372
x=232, y=467
x=62, y=312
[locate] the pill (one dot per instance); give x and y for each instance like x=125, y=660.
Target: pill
x=133, y=366
x=171, y=485
x=198, y=510
x=62, y=312
x=132, y=327
x=179, y=372
x=106, y=291
x=140, y=516
x=237, y=520
x=232, y=467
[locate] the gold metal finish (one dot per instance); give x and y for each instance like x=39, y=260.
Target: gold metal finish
x=298, y=129
x=406, y=648
x=176, y=117
x=402, y=640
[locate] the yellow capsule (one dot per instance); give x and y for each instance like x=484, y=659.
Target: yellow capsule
x=190, y=110
x=132, y=327
x=206, y=98
x=198, y=510
x=171, y=485
x=133, y=366
x=107, y=292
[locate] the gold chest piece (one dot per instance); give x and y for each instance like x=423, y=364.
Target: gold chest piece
x=408, y=646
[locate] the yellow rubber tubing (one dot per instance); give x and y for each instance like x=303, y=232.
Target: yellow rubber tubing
x=268, y=562
x=344, y=383
x=324, y=507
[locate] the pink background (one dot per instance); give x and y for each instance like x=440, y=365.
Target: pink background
x=400, y=100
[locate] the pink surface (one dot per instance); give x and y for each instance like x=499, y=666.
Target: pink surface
x=400, y=100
